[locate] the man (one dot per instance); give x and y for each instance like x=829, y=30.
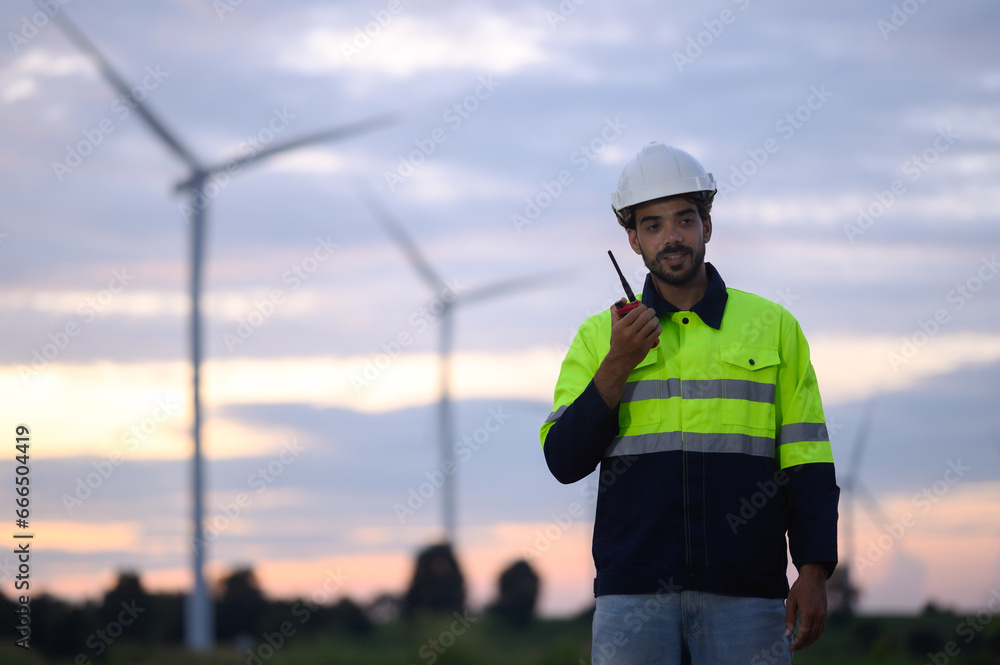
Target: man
x=712, y=445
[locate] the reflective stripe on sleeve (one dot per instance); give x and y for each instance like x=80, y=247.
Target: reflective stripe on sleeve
x=554, y=416
x=803, y=443
x=793, y=432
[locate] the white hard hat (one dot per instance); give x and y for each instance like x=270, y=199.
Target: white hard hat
x=660, y=170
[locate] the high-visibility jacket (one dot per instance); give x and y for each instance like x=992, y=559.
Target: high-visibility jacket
x=717, y=450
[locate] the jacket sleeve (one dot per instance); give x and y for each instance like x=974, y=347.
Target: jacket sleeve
x=578, y=431
x=804, y=453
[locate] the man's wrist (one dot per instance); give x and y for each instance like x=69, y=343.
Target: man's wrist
x=610, y=381
x=821, y=570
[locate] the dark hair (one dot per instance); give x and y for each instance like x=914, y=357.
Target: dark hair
x=701, y=200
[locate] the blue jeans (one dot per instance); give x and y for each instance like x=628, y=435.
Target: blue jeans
x=656, y=629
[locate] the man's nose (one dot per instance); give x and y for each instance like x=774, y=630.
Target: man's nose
x=673, y=232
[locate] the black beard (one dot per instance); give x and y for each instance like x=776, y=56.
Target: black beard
x=679, y=277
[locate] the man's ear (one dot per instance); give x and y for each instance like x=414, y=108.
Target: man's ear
x=707, y=227
x=633, y=240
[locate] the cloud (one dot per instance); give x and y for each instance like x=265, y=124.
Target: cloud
x=852, y=368
x=406, y=44
x=75, y=536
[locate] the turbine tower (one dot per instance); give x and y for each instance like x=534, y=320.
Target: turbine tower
x=852, y=488
x=434, y=281
x=199, y=622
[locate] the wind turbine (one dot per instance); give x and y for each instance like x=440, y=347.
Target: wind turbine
x=199, y=622
x=395, y=230
x=852, y=487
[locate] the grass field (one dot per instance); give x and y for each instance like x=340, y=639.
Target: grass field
x=935, y=638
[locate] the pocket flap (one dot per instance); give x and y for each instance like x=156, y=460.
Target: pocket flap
x=750, y=357
x=650, y=357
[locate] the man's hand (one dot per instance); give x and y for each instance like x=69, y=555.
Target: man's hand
x=807, y=597
x=632, y=337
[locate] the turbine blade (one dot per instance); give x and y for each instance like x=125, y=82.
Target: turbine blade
x=74, y=34
x=861, y=439
x=871, y=505
x=506, y=287
x=337, y=133
x=396, y=231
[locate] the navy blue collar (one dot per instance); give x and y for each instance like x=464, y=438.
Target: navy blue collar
x=710, y=308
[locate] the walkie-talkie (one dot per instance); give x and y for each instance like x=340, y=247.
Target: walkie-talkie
x=625, y=308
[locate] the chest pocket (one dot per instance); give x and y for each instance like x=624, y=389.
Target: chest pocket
x=640, y=403
x=750, y=375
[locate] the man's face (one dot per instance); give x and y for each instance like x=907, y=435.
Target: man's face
x=670, y=236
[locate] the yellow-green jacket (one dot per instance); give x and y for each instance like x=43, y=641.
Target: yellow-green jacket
x=718, y=449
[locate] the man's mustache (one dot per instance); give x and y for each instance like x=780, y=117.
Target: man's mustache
x=675, y=249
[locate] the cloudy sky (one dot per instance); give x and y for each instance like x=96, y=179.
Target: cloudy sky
x=856, y=148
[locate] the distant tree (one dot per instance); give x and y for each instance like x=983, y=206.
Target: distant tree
x=925, y=639
x=518, y=594
x=352, y=618
x=128, y=595
x=930, y=609
x=7, y=608
x=867, y=632
x=241, y=605
x=586, y=616
x=437, y=585
x=61, y=629
x=166, y=618
x=842, y=594
x=994, y=644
